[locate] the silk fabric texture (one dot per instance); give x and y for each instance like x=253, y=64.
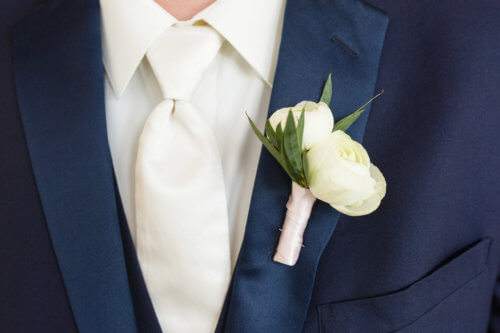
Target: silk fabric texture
x=182, y=235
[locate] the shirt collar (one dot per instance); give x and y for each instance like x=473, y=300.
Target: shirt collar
x=253, y=28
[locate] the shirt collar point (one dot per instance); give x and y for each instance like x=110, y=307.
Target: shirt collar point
x=119, y=85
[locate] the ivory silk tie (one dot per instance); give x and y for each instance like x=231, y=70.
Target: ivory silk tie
x=182, y=236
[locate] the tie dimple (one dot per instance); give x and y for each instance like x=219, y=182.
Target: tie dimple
x=179, y=68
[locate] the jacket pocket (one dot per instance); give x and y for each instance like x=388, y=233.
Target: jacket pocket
x=399, y=309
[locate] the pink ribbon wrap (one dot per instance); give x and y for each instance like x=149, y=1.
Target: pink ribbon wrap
x=299, y=208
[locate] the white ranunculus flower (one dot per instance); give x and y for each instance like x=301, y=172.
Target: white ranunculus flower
x=318, y=121
x=340, y=173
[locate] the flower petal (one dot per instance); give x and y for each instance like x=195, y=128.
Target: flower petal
x=369, y=205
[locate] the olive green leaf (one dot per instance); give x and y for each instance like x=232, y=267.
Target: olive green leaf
x=306, y=168
x=271, y=134
x=300, y=128
x=345, y=123
x=326, y=96
x=292, y=150
x=279, y=136
x=289, y=168
x=267, y=143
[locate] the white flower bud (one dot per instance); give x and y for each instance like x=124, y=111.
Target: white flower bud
x=339, y=172
x=318, y=121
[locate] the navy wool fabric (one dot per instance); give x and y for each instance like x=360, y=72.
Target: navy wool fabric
x=435, y=136
x=266, y=296
x=59, y=84
x=427, y=261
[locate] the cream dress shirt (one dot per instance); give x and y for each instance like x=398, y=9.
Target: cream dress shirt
x=245, y=68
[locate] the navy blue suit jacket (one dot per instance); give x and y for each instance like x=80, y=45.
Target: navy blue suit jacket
x=427, y=260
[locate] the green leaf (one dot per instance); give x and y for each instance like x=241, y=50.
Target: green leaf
x=305, y=165
x=300, y=128
x=267, y=143
x=271, y=134
x=287, y=165
x=346, y=122
x=279, y=136
x=292, y=150
x=326, y=96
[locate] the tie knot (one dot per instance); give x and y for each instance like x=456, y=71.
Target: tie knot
x=180, y=56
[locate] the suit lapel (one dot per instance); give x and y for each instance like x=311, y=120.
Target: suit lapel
x=59, y=79
x=344, y=37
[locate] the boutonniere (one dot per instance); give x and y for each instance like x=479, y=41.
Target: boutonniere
x=323, y=163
